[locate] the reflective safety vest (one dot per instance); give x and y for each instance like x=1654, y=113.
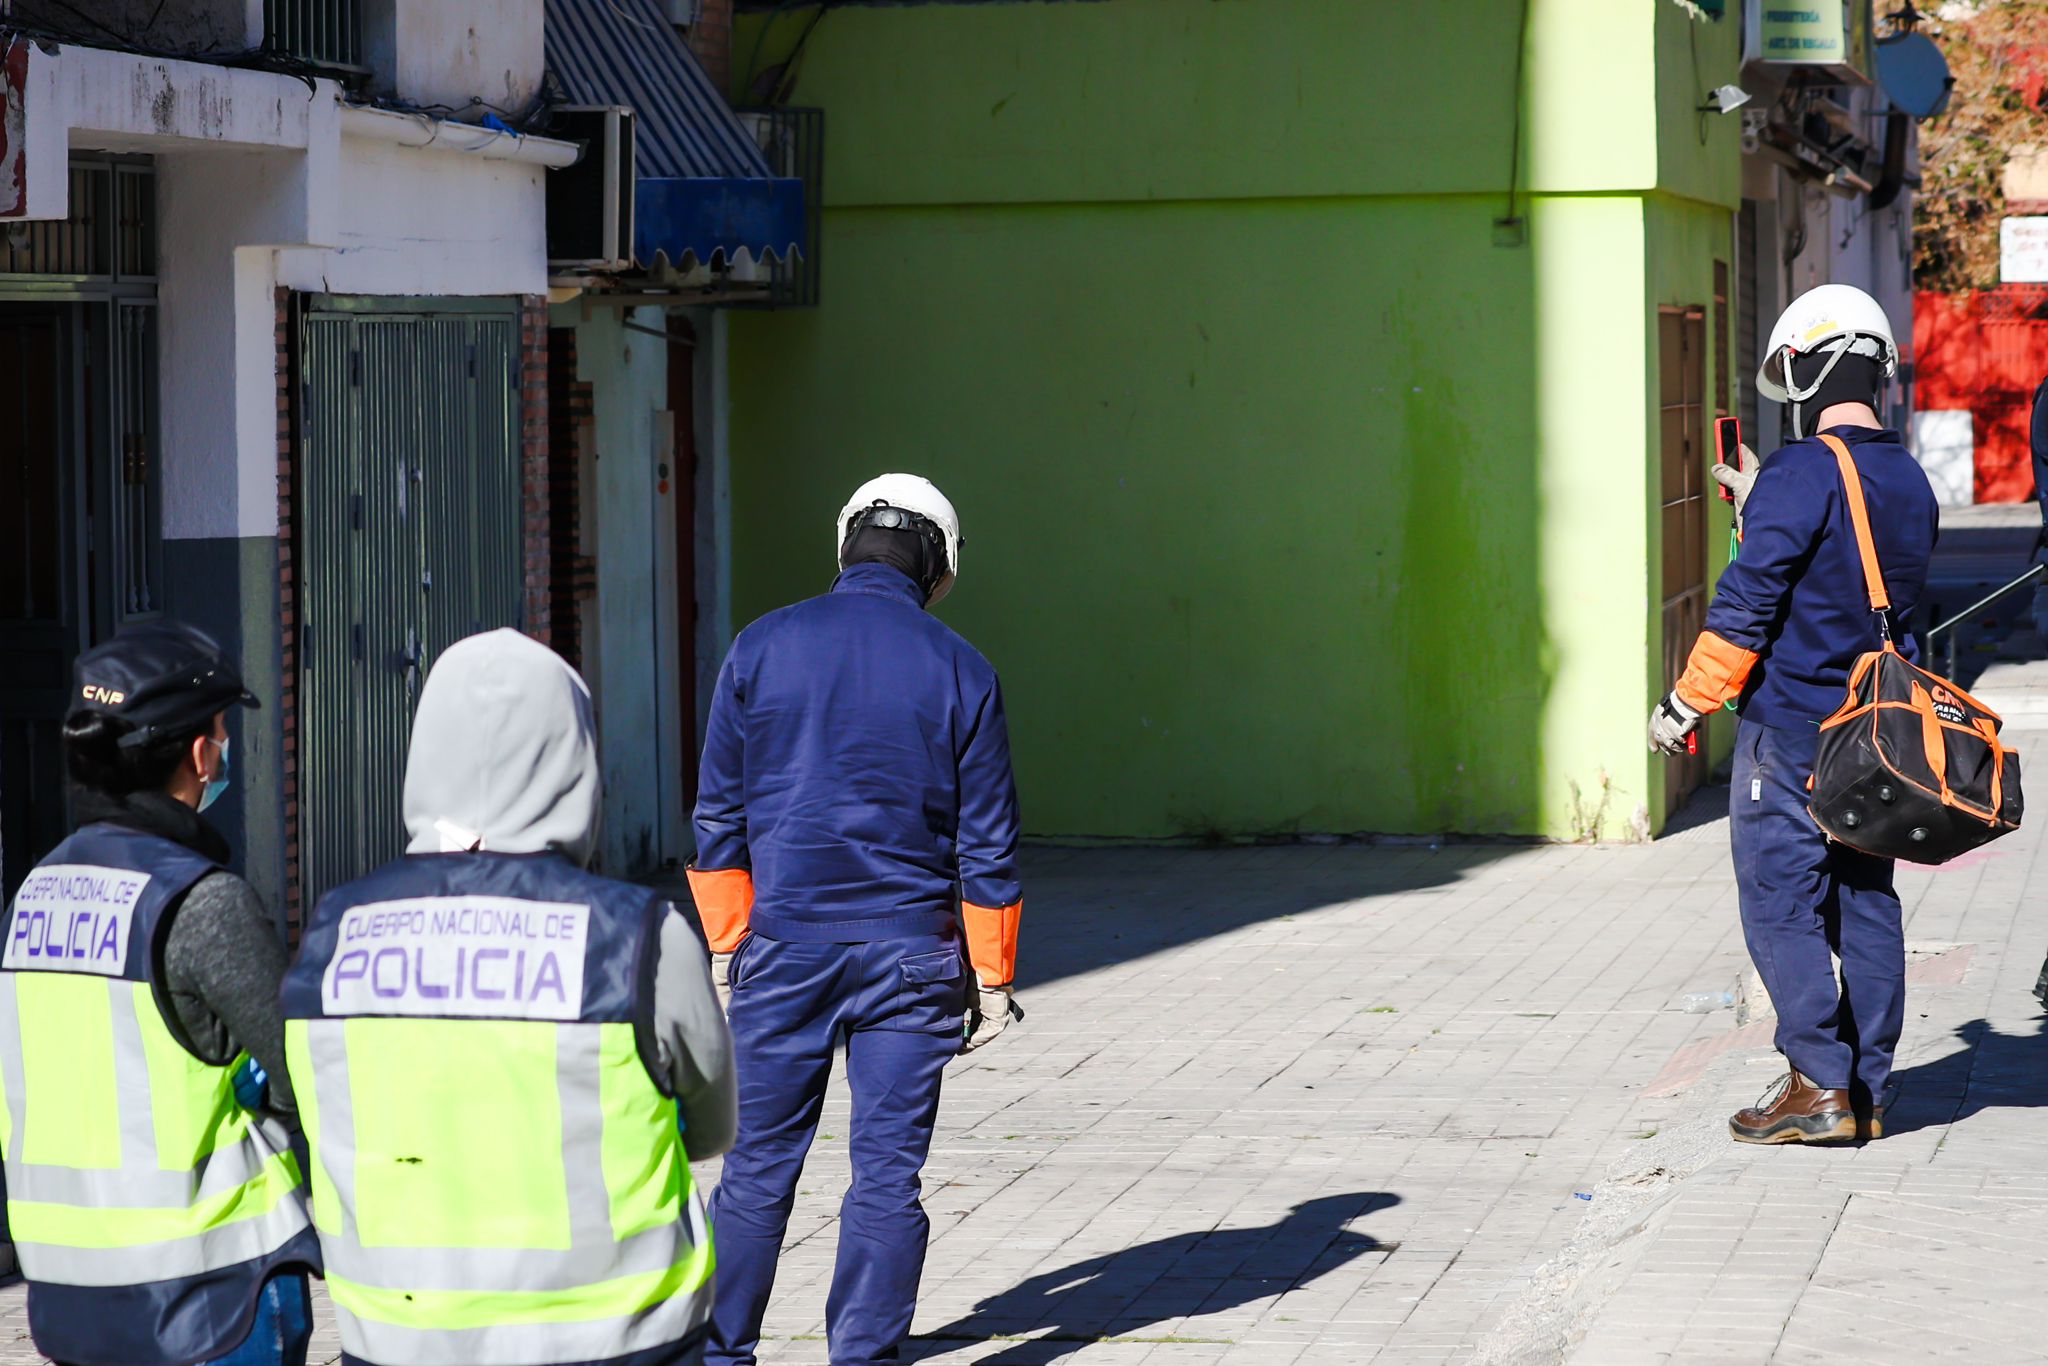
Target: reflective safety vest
x=498, y=1169
x=147, y=1206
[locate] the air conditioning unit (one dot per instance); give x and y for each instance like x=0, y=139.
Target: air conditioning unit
x=590, y=204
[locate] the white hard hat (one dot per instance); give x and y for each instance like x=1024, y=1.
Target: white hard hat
x=915, y=494
x=1826, y=318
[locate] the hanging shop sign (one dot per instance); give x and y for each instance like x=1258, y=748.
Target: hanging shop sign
x=1831, y=36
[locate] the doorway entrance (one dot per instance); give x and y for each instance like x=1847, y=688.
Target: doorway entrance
x=1682, y=384
x=410, y=519
x=80, y=501
x=39, y=628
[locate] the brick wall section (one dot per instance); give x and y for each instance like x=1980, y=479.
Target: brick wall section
x=711, y=40
x=573, y=574
x=288, y=610
x=533, y=445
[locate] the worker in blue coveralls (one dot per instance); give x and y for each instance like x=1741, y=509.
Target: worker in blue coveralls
x=856, y=860
x=1788, y=620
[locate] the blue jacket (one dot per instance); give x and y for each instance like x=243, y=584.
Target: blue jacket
x=1794, y=599
x=2037, y=437
x=857, y=764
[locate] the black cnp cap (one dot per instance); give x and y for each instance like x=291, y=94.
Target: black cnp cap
x=161, y=677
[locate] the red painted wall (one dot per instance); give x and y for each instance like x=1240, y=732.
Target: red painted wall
x=1986, y=352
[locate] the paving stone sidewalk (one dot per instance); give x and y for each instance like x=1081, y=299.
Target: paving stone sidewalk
x=1929, y=1245
x=1351, y=1104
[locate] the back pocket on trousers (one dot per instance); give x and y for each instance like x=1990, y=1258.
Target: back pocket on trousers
x=943, y=966
x=929, y=994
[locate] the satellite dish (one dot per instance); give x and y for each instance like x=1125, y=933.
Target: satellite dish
x=1914, y=74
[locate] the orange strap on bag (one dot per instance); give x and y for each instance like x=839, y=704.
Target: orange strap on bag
x=1859, y=518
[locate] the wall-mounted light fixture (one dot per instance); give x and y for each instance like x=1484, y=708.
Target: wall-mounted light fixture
x=1725, y=100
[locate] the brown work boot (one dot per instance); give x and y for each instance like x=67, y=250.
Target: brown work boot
x=1797, y=1112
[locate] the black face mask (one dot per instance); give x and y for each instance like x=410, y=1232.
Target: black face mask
x=900, y=549
x=1854, y=379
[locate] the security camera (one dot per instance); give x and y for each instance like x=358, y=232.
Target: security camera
x=1726, y=100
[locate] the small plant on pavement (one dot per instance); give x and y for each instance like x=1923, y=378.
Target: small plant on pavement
x=1588, y=819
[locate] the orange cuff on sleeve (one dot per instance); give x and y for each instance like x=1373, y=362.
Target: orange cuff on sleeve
x=1715, y=673
x=992, y=941
x=725, y=902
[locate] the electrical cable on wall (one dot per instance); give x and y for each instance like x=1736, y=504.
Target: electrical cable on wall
x=1513, y=220
x=255, y=58
x=760, y=40
x=1692, y=37
x=785, y=84
x=785, y=71
x=528, y=120
x=103, y=35
x=1795, y=238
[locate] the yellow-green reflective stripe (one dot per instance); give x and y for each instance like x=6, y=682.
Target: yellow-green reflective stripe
x=10, y=1063
x=110, y=1227
x=298, y=1061
x=455, y=1310
x=645, y=1172
x=458, y=1133
x=192, y=1103
x=72, y=1106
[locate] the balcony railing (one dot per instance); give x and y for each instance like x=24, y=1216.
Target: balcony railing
x=323, y=33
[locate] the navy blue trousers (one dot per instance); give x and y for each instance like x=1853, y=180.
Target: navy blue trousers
x=897, y=1006
x=1805, y=900
x=282, y=1329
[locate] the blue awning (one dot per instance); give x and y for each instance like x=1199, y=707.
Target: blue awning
x=705, y=193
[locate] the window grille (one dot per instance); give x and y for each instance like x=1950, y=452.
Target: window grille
x=324, y=33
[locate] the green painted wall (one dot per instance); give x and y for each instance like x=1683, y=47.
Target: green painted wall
x=1293, y=501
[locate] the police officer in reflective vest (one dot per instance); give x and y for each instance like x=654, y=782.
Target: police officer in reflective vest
x=505, y=1062
x=856, y=858
x=155, y=1203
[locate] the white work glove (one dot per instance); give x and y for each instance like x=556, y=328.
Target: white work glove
x=1670, y=723
x=989, y=1015
x=1739, y=479
x=721, y=985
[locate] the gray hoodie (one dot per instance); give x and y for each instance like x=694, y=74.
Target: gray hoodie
x=504, y=758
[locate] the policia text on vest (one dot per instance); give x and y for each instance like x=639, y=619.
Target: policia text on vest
x=460, y=956
x=461, y=1026
x=147, y=1206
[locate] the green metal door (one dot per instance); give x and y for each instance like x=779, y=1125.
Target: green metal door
x=410, y=517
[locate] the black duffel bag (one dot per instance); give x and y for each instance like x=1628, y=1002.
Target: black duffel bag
x=1910, y=766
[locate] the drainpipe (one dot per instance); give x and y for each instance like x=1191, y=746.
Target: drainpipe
x=420, y=130
x=1893, y=178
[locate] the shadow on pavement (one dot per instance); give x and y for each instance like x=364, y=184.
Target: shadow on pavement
x=1154, y=1285
x=1707, y=806
x=1991, y=1071
x=1088, y=908
x=1092, y=908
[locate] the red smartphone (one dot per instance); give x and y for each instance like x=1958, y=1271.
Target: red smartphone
x=1727, y=442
